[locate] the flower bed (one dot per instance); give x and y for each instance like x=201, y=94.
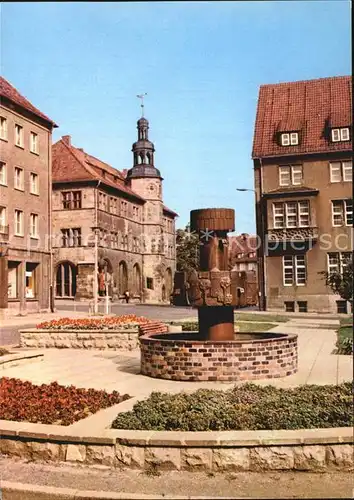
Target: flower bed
x=53, y=403
x=247, y=407
x=106, y=323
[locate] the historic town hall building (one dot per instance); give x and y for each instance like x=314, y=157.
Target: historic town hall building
x=118, y=217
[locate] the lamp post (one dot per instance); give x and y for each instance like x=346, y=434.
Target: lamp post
x=95, y=272
x=259, y=253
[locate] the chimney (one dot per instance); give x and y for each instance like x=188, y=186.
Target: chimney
x=66, y=139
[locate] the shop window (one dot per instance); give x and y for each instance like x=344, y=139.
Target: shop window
x=12, y=288
x=31, y=280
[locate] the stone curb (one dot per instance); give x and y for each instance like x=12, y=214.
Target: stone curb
x=34, y=492
x=315, y=450
x=10, y=360
x=200, y=439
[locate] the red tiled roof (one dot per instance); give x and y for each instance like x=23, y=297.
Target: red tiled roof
x=73, y=164
x=242, y=244
x=310, y=106
x=169, y=211
x=9, y=92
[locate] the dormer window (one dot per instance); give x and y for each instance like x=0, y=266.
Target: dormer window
x=289, y=138
x=340, y=134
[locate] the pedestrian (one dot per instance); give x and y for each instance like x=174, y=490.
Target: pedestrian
x=127, y=296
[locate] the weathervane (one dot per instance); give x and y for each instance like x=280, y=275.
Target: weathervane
x=141, y=96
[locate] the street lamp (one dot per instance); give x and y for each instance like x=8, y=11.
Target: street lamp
x=259, y=251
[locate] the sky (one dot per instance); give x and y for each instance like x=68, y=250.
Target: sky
x=201, y=63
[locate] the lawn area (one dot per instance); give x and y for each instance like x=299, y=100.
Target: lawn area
x=345, y=336
x=267, y=318
x=247, y=326
x=244, y=326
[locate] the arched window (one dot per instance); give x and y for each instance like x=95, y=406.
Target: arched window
x=148, y=158
x=136, y=280
x=122, y=277
x=141, y=158
x=66, y=280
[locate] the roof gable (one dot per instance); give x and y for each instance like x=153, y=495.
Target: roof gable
x=9, y=92
x=72, y=164
x=311, y=107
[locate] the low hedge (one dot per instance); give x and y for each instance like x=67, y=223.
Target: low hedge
x=246, y=407
x=344, y=343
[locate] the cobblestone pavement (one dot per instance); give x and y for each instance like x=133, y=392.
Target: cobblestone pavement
x=120, y=370
x=230, y=484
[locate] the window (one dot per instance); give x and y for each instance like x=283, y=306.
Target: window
x=304, y=213
x=19, y=178
x=290, y=139
x=113, y=205
x=18, y=223
x=12, y=287
x=3, y=220
x=19, y=136
x=114, y=240
x=337, y=261
x=340, y=134
x=290, y=175
x=342, y=213
x=71, y=200
x=102, y=201
x=71, y=237
x=342, y=307
x=149, y=283
x=34, y=142
x=291, y=214
x=31, y=281
x=66, y=280
x=302, y=306
x=3, y=176
x=135, y=212
x=289, y=306
x=124, y=207
x=278, y=216
x=34, y=189
x=341, y=171
x=294, y=270
x=34, y=226
x=3, y=128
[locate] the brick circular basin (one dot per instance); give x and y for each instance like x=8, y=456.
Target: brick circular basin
x=188, y=357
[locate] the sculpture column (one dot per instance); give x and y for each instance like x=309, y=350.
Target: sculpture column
x=210, y=288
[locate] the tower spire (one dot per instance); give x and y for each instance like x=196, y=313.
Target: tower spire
x=141, y=96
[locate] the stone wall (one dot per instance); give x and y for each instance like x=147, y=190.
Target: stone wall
x=178, y=358
x=315, y=450
x=81, y=339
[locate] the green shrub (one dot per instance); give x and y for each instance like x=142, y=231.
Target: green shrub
x=191, y=326
x=243, y=407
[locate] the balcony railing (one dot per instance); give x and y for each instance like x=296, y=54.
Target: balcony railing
x=293, y=234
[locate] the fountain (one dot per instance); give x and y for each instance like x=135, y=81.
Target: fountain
x=216, y=352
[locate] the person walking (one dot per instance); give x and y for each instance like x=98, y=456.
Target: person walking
x=127, y=296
